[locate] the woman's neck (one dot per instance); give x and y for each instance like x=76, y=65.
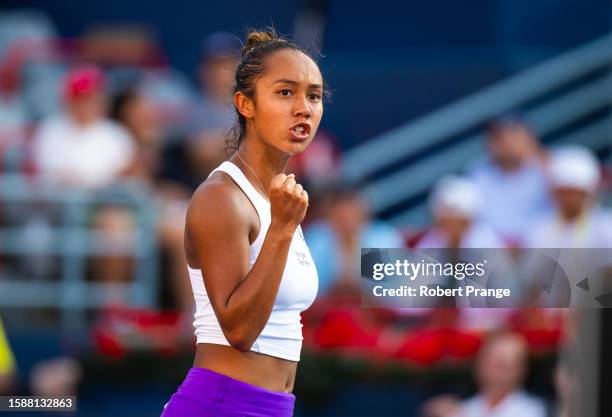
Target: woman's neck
x=262, y=162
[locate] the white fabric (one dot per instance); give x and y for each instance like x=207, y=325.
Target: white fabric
x=478, y=236
x=511, y=200
x=282, y=335
x=517, y=404
x=90, y=156
x=592, y=230
x=574, y=167
x=456, y=195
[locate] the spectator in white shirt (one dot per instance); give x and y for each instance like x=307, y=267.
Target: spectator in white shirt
x=577, y=222
x=81, y=147
x=500, y=369
x=512, y=180
x=455, y=204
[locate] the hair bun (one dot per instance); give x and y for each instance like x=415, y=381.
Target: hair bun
x=257, y=38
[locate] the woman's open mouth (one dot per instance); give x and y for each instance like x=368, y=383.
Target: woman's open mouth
x=300, y=131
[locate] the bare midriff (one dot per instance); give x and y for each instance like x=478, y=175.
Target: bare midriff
x=268, y=372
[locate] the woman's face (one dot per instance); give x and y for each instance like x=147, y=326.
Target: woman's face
x=288, y=102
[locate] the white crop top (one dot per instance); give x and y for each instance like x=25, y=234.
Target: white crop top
x=282, y=335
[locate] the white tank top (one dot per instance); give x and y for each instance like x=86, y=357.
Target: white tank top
x=282, y=335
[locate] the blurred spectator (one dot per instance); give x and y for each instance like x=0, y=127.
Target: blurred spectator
x=335, y=241
x=512, y=181
x=82, y=148
x=7, y=365
x=564, y=379
x=136, y=112
x=214, y=109
x=577, y=221
x=29, y=61
x=500, y=369
x=171, y=228
x=211, y=116
x=13, y=109
x=455, y=203
x=55, y=377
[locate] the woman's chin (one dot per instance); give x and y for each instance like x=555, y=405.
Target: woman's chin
x=297, y=146
x=291, y=147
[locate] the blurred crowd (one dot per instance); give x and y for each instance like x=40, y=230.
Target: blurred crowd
x=107, y=109
x=114, y=113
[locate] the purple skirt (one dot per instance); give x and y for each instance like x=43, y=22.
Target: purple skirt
x=206, y=393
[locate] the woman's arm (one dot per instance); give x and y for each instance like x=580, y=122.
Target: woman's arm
x=218, y=226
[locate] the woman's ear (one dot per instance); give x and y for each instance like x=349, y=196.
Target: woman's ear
x=243, y=104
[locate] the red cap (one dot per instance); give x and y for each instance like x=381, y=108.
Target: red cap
x=83, y=81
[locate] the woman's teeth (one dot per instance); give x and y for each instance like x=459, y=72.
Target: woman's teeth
x=299, y=129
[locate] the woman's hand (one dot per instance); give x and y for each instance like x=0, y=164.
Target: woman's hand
x=288, y=201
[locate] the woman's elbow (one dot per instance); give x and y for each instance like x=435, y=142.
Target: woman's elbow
x=240, y=340
x=242, y=345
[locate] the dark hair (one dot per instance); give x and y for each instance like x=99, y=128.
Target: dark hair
x=258, y=45
x=121, y=101
x=505, y=121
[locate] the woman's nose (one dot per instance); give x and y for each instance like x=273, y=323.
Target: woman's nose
x=302, y=109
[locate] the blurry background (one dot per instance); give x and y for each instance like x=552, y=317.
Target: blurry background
x=451, y=125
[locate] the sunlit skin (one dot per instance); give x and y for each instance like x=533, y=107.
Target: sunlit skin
x=290, y=92
x=222, y=223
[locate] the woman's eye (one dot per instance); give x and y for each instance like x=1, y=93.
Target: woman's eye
x=315, y=96
x=285, y=93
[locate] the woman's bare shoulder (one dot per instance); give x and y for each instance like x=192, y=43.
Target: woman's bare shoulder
x=217, y=198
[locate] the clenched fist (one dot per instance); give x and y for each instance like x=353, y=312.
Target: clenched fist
x=288, y=201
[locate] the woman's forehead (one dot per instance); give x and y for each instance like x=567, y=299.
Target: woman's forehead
x=292, y=65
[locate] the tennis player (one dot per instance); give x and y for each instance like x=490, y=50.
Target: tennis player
x=251, y=271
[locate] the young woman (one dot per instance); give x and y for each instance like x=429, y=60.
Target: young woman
x=251, y=271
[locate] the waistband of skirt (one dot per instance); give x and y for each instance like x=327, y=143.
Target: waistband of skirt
x=201, y=378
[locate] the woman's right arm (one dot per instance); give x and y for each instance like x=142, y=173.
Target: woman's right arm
x=218, y=226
